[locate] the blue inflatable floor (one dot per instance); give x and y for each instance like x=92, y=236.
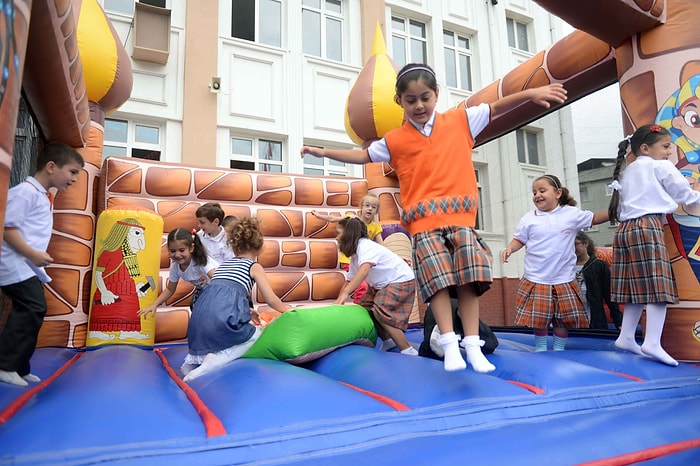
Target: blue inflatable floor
x=121, y=405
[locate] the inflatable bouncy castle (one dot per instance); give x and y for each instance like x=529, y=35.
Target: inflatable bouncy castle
x=315, y=390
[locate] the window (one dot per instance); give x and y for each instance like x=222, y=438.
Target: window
x=322, y=28
x=257, y=21
x=125, y=138
x=256, y=154
x=127, y=6
x=584, y=193
x=321, y=166
x=458, y=60
x=527, y=147
x=517, y=35
x=479, y=217
x=408, y=41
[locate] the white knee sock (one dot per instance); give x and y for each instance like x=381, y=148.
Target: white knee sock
x=472, y=345
x=213, y=361
x=656, y=316
x=411, y=351
x=630, y=319
x=453, y=358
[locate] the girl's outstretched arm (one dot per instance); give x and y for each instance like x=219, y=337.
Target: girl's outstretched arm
x=162, y=297
x=357, y=156
x=351, y=285
x=514, y=246
x=258, y=274
x=600, y=217
x=543, y=96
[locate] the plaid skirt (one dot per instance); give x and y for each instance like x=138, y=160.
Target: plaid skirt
x=641, y=268
x=451, y=256
x=538, y=305
x=392, y=304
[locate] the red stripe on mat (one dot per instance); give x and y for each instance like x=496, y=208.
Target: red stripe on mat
x=631, y=377
x=647, y=454
x=398, y=406
x=16, y=405
x=213, y=425
x=527, y=386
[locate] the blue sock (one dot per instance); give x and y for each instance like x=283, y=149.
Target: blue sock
x=559, y=343
x=540, y=342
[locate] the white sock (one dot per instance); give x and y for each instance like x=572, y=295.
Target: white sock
x=656, y=316
x=31, y=378
x=453, y=358
x=411, y=351
x=213, y=361
x=630, y=319
x=472, y=345
x=12, y=378
x=186, y=368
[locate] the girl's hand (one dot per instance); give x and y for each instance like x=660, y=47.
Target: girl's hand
x=545, y=95
x=342, y=297
x=315, y=151
x=505, y=255
x=150, y=311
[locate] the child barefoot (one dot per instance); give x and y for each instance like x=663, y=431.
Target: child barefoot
x=220, y=329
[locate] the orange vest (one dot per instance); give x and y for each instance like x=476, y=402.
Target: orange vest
x=436, y=174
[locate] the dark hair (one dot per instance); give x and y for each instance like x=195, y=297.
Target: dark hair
x=228, y=220
x=199, y=254
x=58, y=153
x=353, y=230
x=211, y=211
x=414, y=72
x=647, y=134
x=584, y=238
x=565, y=198
x=244, y=235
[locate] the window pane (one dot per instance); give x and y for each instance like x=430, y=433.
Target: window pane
x=584, y=194
x=511, y=32
x=311, y=34
x=417, y=51
x=463, y=42
x=243, y=19
x=113, y=151
x=334, y=39
x=334, y=6
x=398, y=45
x=417, y=29
x=522, y=37
x=450, y=69
x=266, y=167
x=158, y=3
x=465, y=72
x=145, y=154
x=147, y=134
x=120, y=6
x=313, y=3
x=520, y=142
x=115, y=130
x=271, y=22
x=448, y=38
x=398, y=24
x=313, y=160
x=240, y=165
x=270, y=150
x=532, y=154
x=242, y=146
x=312, y=171
x=335, y=163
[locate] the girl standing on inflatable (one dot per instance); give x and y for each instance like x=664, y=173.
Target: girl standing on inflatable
x=189, y=261
x=548, y=292
x=431, y=154
x=641, y=268
x=220, y=328
x=392, y=286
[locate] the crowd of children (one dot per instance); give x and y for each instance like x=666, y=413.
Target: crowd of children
x=431, y=154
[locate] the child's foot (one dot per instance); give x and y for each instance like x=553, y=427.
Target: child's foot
x=628, y=344
x=213, y=361
x=12, y=378
x=411, y=351
x=658, y=353
x=453, y=358
x=472, y=345
x=186, y=368
x=31, y=378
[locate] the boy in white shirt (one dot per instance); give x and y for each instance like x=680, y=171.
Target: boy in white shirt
x=211, y=231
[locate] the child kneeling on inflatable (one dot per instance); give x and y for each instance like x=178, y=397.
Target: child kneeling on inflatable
x=392, y=286
x=220, y=328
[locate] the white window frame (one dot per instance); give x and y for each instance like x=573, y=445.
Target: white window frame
x=326, y=15
x=523, y=138
x=479, y=223
x=402, y=57
x=459, y=52
x=255, y=158
x=131, y=140
x=126, y=7
x=323, y=166
x=514, y=27
x=259, y=22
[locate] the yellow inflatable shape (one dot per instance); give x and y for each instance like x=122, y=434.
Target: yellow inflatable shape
x=98, y=51
x=125, y=277
x=370, y=109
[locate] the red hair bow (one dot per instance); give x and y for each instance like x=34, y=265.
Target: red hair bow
x=655, y=128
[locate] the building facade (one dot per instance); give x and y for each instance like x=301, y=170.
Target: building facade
x=245, y=83
x=594, y=176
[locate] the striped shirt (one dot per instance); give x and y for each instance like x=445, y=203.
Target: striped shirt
x=236, y=270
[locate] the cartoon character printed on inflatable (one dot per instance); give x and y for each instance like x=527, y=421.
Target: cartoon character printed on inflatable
x=116, y=301
x=680, y=114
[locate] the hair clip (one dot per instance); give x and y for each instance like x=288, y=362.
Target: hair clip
x=194, y=232
x=615, y=186
x=655, y=128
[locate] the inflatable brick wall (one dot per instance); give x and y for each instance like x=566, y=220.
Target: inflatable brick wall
x=300, y=253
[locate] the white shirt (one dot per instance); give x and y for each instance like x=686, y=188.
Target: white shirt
x=386, y=267
x=653, y=187
x=216, y=246
x=193, y=273
x=29, y=211
x=550, y=257
x=478, y=117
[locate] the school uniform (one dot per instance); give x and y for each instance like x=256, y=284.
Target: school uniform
x=197, y=275
x=29, y=210
x=217, y=246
